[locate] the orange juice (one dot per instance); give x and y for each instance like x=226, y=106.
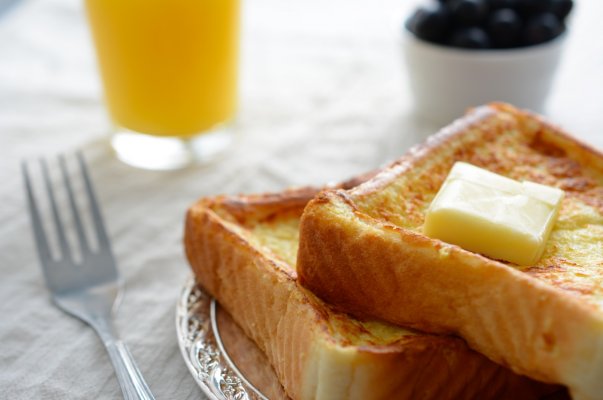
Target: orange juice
x=169, y=67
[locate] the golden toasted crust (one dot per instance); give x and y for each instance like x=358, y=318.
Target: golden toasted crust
x=318, y=353
x=363, y=250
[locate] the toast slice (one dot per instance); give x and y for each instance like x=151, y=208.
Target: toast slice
x=363, y=250
x=242, y=250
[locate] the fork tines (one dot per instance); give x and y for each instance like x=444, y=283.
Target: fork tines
x=66, y=253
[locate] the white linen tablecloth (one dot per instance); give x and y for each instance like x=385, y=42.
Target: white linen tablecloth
x=323, y=97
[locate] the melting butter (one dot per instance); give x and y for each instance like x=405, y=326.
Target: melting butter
x=496, y=216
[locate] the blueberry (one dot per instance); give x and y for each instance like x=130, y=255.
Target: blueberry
x=541, y=28
x=562, y=8
x=468, y=12
x=504, y=28
x=470, y=38
x=479, y=24
x=429, y=22
x=531, y=7
x=497, y=4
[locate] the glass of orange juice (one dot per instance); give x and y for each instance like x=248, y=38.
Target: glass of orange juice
x=169, y=70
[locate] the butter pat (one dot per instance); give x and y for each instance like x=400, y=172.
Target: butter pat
x=493, y=215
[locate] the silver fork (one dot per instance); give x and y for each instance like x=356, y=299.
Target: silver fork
x=88, y=290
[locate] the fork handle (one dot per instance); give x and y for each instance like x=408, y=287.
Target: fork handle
x=133, y=385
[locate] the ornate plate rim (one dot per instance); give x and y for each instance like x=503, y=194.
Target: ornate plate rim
x=202, y=348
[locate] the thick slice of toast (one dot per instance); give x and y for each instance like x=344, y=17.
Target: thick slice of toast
x=242, y=250
x=363, y=250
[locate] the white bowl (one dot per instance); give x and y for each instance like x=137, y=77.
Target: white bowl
x=446, y=81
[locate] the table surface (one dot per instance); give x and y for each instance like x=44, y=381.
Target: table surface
x=323, y=97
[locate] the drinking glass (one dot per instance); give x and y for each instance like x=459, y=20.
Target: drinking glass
x=169, y=71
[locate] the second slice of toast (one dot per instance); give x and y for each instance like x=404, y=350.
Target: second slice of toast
x=364, y=251
x=242, y=250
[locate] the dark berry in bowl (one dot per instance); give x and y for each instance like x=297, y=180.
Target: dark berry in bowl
x=470, y=38
x=562, y=8
x=531, y=7
x=429, y=22
x=468, y=12
x=541, y=28
x=504, y=27
x=497, y=4
x=495, y=24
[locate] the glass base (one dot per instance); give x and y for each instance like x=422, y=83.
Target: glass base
x=167, y=153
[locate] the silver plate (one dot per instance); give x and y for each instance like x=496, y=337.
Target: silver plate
x=223, y=361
